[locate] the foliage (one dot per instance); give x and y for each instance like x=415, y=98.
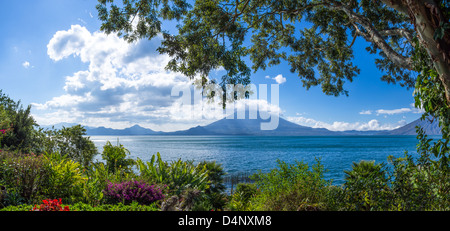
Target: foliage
x=215, y=176
x=177, y=175
x=365, y=186
x=127, y=192
x=97, y=179
x=421, y=185
x=19, y=132
x=115, y=157
x=51, y=205
x=290, y=187
x=119, y=20
x=11, y=198
x=188, y=200
x=214, y=194
x=24, y=175
x=429, y=94
x=87, y=207
x=69, y=142
x=134, y=206
x=212, y=34
x=17, y=208
x=411, y=185
x=5, y=124
x=93, y=190
x=241, y=199
x=65, y=177
x=18, y=122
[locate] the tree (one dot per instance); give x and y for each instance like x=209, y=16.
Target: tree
x=22, y=133
x=69, y=142
x=5, y=123
x=410, y=37
x=116, y=157
x=212, y=34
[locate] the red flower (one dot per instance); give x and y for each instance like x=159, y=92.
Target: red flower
x=51, y=205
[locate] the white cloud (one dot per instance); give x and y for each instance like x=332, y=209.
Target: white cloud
x=411, y=109
x=65, y=43
x=280, y=79
x=124, y=84
x=26, y=64
x=394, y=111
x=372, y=125
x=367, y=112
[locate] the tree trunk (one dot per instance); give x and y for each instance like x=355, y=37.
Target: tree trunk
x=426, y=16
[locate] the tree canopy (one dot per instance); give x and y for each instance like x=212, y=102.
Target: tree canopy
x=211, y=34
x=411, y=39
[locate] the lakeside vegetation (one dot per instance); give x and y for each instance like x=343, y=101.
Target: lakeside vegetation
x=54, y=170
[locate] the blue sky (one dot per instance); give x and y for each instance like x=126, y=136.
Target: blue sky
x=55, y=58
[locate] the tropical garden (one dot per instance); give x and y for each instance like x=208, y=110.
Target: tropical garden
x=51, y=169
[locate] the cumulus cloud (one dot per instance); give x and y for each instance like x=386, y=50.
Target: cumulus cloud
x=26, y=64
x=280, y=79
x=372, y=125
x=65, y=43
x=124, y=84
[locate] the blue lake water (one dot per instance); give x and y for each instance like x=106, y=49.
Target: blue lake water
x=247, y=154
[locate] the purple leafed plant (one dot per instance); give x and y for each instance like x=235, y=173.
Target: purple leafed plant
x=129, y=191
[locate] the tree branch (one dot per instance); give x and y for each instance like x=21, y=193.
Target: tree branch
x=398, y=5
x=372, y=35
x=399, y=32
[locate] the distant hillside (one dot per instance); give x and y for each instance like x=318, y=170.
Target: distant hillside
x=252, y=127
x=430, y=128
x=135, y=130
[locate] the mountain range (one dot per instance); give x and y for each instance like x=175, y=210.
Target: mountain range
x=251, y=127
x=429, y=125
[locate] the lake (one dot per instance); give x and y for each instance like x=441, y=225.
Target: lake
x=247, y=154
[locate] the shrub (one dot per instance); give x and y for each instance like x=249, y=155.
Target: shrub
x=132, y=191
x=214, y=196
x=22, y=133
x=5, y=123
x=71, y=142
x=51, y=205
x=412, y=185
x=420, y=186
x=134, y=206
x=18, y=208
x=87, y=207
x=240, y=200
x=291, y=187
x=366, y=187
x=24, y=174
x=65, y=177
x=115, y=157
x=177, y=175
